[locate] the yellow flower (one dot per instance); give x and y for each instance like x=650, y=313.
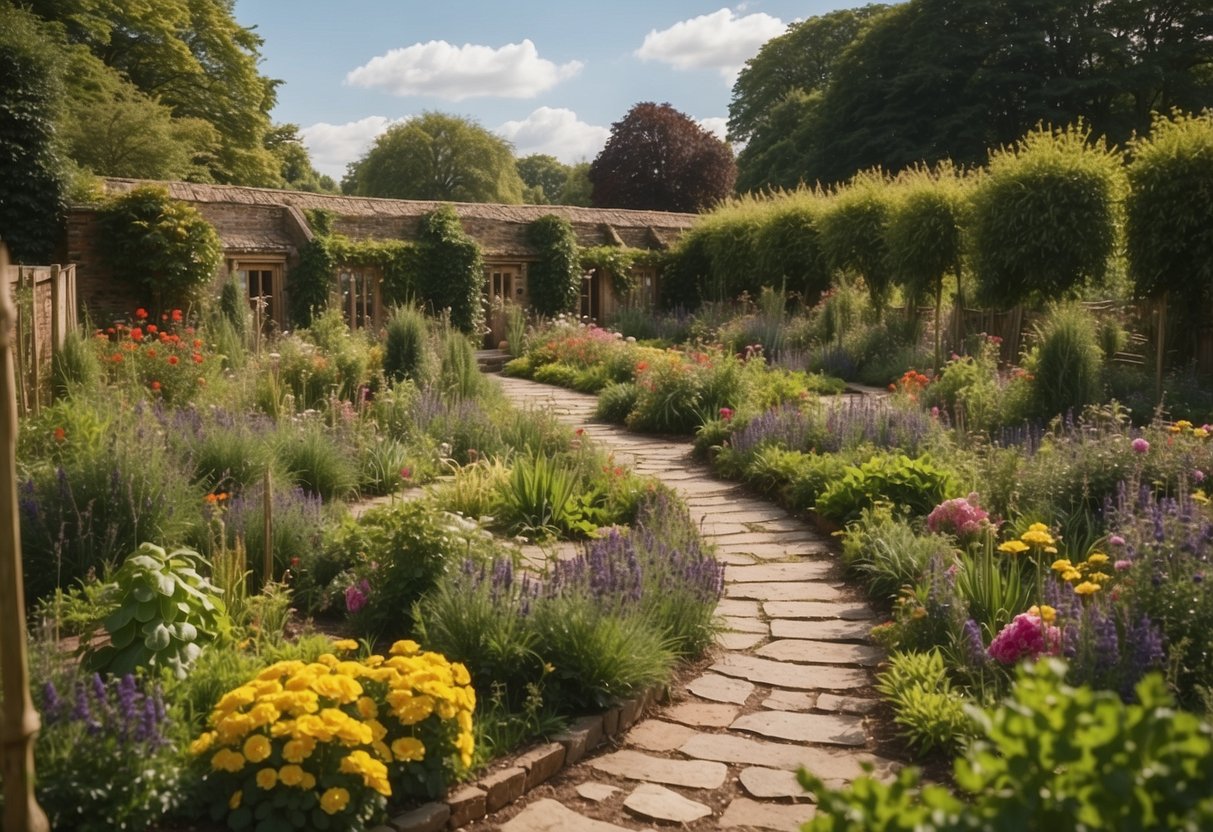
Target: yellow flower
x=405, y=647
x=1071, y=575
x=1086, y=588
x=367, y=709
x=237, y=698
x=257, y=748
x=298, y=750
x=1037, y=537
x=408, y=749
x=309, y=781
x=334, y=800
x=345, y=645
x=1200, y=497
x=373, y=772
x=461, y=676
x=1062, y=565
x=1013, y=547
x=234, y=801
x=1097, y=559
x=225, y=759
x=1200, y=433
x=202, y=744
x=1099, y=577
x=1044, y=612
x=290, y=775
x=267, y=778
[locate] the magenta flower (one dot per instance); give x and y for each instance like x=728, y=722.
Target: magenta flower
x=1123, y=565
x=1140, y=445
x=356, y=595
x=962, y=517
x=1116, y=540
x=726, y=413
x=1027, y=636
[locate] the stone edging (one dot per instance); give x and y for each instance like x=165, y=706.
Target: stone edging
x=472, y=801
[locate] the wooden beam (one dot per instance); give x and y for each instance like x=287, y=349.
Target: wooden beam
x=19, y=722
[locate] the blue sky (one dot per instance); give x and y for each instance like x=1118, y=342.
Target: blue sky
x=549, y=76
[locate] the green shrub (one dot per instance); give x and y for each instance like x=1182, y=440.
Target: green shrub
x=913, y=486
x=396, y=554
x=557, y=374
x=1051, y=757
x=1067, y=363
x=789, y=245
x=518, y=367
x=615, y=402
x=162, y=246
x=406, y=353
x=167, y=613
x=1044, y=216
x=554, y=279
x=233, y=306
x=853, y=233
x=887, y=553
x=316, y=460
x=74, y=365
x=458, y=373
x=543, y=497
x=930, y=712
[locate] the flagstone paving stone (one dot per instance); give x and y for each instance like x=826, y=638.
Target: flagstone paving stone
x=786, y=675
x=702, y=714
x=659, y=803
x=721, y=689
x=793, y=700
x=830, y=729
x=771, y=782
x=741, y=624
x=547, y=815
x=750, y=814
x=817, y=609
x=739, y=641
x=820, y=652
x=821, y=630
x=691, y=774
x=845, y=704
x=657, y=735
x=800, y=570
x=596, y=792
x=775, y=591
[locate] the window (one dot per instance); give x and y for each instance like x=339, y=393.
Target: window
x=361, y=299
x=263, y=285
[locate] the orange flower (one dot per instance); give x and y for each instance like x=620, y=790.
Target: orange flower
x=172, y=359
x=197, y=358
x=177, y=315
x=151, y=353
x=156, y=386
x=197, y=344
x=152, y=329
x=137, y=334
x=141, y=313
x=60, y=435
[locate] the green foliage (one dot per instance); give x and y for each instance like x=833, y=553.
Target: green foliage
x=543, y=498
x=993, y=587
x=31, y=178
x=887, y=553
x=162, y=246
x=615, y=402
x=317, y=461
x=435, y=156
x=554, y=280
x=924, y=230
x=544, y=179
x=1067, y=363
x=515, y=329
x=913, y=486
x=395, y=260
x=400, y=550
x=1050, y=757
x=558, y=374
x=233, y=306
x=930, y=711
x=614, y=261
x=853, y=233
x=1045, y=216
x=450, y=269
x=458, y=373
x=790, y=246
x=74, y=365
x=167, y=613
x=406, y=350
x=1168, y=223
x=312, y=280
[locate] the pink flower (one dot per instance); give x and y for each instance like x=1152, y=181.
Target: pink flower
x=1140, y=445
x=1116, y=540
x=1198, y=476
x=1123, y=565
x=1027, y=636
x=726, y=413
x=356, y=595
x=406, y=473
x=962, y=517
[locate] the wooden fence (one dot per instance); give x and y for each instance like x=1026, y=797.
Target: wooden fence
x=45, y=298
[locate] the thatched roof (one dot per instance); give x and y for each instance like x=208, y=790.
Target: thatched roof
x=500, y=229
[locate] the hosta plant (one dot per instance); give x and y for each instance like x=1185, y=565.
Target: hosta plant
x=167, y=612
x=321, y=745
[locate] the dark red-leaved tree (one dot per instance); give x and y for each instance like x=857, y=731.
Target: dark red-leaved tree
x=658, y=159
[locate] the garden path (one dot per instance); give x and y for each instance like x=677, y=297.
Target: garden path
x=788, y=685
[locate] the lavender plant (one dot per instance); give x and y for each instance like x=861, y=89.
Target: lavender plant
x=105, y=754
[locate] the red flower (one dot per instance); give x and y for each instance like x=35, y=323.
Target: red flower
x=197, y=344
x=151, y=353
x=177, y=316
x=172, y=359
x=60, y=435
x=156, y=385
x=141, y=313
x=152, y=329
x=197, y=358
x=136, y=334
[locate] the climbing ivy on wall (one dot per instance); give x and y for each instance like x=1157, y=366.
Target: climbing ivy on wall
x=450, y=270
x=554, y=280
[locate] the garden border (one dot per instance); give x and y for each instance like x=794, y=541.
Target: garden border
x=524, y=772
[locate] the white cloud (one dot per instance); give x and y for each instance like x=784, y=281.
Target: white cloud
x=557, y=132
x=331, y=146
x=721, y=40
x=718, y=126
x=452, y=72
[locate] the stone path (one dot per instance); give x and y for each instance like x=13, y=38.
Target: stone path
x=789, y=683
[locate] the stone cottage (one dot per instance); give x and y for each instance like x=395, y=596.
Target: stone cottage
x=263, y=229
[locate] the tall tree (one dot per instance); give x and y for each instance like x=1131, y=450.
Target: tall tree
x=657, y=158
x=31, y=184
x=543, y=177
x=800, y=61
x=437, y=156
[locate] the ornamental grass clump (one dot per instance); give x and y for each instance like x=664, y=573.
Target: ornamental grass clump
x=322, y=745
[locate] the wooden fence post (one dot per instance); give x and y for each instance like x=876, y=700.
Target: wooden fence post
x=19, y=724
x=57, y=322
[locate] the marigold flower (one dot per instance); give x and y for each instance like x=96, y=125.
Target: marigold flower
x=298, y=750
x=203, y=743
x=334, y=800
x=290, y=775
x=257, y=748
x=345, y=644
x=233, y=802
x=225, y=759
x=405, y=647
x=408, y=749
x=1062, y=565
x=267, y=778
